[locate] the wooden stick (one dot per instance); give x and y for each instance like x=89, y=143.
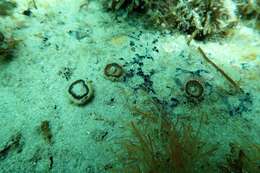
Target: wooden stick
x=34, y=4
x=220, y=70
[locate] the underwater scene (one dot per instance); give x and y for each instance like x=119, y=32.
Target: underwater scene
x=129, y=86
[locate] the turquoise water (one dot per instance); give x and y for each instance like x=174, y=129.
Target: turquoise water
x=91, y=87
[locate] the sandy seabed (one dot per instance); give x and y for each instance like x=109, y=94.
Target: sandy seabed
x=63, y=41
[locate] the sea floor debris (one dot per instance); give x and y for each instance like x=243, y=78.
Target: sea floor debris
x=15, y=143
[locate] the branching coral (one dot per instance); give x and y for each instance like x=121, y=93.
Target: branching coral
x=205, y=17
x=250, y=10
x=199, y=16
x=128, y=5
x=202, y=17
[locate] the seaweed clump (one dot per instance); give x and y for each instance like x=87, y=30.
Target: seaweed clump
x=128, y=5
x=6, y=7
x=7, y=47
x=202, y=18
x=14, y=143
x=45, y=130
x=250, y=10
x=162, y=145
x=242, y=160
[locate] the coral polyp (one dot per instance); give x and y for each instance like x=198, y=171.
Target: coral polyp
x=194, y=88
x=80, y=92
x=113, y=71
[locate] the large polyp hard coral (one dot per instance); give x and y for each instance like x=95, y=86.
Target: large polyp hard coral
x=81, y=91
x=114, y=71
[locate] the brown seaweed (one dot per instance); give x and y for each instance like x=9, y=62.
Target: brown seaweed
x=45, y=130
x=6, y=7
x=161, y=145
x=8, y=47
x=14, y=143
x=242, y=159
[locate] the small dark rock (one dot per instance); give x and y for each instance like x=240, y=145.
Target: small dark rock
x=100, y=135
x=27, y=12
x=2, y=37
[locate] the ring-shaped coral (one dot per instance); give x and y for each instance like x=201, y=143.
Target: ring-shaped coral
x=80, y=92
x=113, y=71
x=194, y=88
